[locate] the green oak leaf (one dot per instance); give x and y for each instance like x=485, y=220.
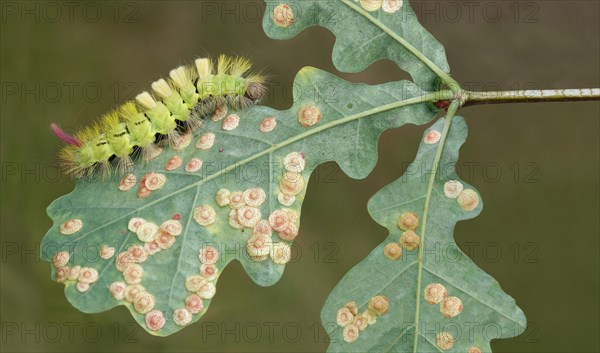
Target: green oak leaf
x=343, y=122
x=366, y=31
x=419, y=276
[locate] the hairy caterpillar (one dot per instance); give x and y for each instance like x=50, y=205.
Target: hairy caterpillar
x=179, y=105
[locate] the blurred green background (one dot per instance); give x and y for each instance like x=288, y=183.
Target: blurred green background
x=538, y=234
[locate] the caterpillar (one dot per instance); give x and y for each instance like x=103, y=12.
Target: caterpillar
x=177, y=106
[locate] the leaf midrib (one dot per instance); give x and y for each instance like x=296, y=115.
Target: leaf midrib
x=408, y=46
x=435, y=166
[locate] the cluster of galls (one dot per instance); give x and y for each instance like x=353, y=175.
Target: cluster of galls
x=450, y=307
x=82, y=276
x=353, y=322
x=155, y=238
x=407, y=222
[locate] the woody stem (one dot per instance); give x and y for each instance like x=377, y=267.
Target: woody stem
x=531, y=96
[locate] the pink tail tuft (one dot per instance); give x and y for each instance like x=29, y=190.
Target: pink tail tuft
x=70, y=139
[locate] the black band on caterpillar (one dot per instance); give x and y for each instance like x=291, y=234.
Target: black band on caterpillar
x=180, y=106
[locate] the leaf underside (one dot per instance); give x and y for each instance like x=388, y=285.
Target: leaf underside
x=362, y=41
x=487, y=312
x=240, y=159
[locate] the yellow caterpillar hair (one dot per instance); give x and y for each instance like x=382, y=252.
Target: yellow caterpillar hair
x=178, y=105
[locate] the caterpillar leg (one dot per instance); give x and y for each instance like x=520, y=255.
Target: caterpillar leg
x=173, y=137
x=194, y=122
x=104, y=169
x=124, y=164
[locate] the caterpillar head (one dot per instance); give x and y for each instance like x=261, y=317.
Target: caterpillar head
x=240, y=67
x=255, y=92
x=229, y=81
